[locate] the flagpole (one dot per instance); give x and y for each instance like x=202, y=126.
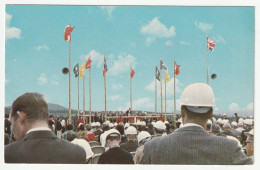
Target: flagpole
x=165, y=99
x=78, y=98
x=105, y=98
x=161, y=86
x=130, y=90
x=84, y=118
x=207, y=62
x=89, y=94
x=174, y=95
x=69, y=86
x=155, y=92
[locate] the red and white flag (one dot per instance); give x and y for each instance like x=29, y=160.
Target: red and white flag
x=132, y=72
x=105, y=67
x=67, y=33
x=88, y=64
x=176, y=69
x=211, y=44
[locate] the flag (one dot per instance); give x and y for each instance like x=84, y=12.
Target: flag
x=176, y=69
x=105, y=67
x=88, y=65
x=211, y=44
x=76, y=70
x=67, y=33
x=82, y=70
x=132, y=72
x=163, y=66
x=158, y=74
x=167, y=76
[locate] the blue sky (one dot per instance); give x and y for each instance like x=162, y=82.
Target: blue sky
x=139, y=35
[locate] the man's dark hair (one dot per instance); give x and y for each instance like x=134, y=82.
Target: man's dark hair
x=121, y=129
x=7, y=116
x=81, y=127
x=157, y=131
x=69, y=127
x=193, y=115
x=168, y=126
x=105, y=127
x=33, y=105
x=208, y=127
x=150, y=126
x=71, y=136
x=88, y=127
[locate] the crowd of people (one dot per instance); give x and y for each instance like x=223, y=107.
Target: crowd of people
x=32, y=136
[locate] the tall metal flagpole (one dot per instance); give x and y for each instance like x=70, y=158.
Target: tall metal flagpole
x=78, y=97
x=89, y=94
x=84, y=118
x=105, y=98
x=207, y=62
x=161, y=86
x=69, y=86
x=155, y=92
x=130, y=90
x=165, y=99
x=174, y=95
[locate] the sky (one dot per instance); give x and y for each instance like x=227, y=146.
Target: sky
x=138, y=35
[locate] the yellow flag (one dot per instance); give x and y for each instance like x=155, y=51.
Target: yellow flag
x=167, y=76
x=82, y=70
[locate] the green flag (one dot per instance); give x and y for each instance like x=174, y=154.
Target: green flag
x=157, y=74
x=76, y=70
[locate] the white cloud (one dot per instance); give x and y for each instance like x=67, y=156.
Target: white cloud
x=7, y=81
x=108, y=9
x=156, y=29
x=169, y=87
x=170, y=106
x=14, y=60
x=54, y=82
x=122, y=64
x=169, y=43
x=205, y=27
x=233, y=106
x=250, y=106
x=43, y=79
x=219, y=39
x=117, y=86
x=11, y=32
x=115, y=97
x=149, y=41
x=139, y=104
x=184, y=43
x=42, y=47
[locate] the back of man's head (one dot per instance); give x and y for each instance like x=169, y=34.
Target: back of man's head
x=33, y=105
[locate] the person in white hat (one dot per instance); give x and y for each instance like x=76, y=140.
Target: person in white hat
x=250, y=143
x=93, y=127
x=98, y=131
x=248, y=123
x=191, y=144
x=115, y=154
x=227, y=133
x=234, y=132
x=158, y=129
x=142, y=138
x=225, y=116
x=131, y=145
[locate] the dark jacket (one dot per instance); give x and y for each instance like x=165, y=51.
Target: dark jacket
x=44, y=147
x=116, y=155
x=129, y=146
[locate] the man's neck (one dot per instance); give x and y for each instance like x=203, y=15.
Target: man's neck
x=37, y=124
x=203, y=124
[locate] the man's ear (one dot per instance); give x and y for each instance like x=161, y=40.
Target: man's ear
x=183, y=112
x=21, y=116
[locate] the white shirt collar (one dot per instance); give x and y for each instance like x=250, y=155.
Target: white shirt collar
x=38, y=129
x=191, y=124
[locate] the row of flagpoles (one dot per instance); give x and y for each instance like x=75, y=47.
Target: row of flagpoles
x=80, y=72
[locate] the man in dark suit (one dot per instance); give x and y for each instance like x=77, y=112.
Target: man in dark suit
x=131, y=145
x=35, y=143
x=191, y=144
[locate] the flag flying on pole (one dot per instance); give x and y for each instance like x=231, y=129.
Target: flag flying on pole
x=157, y=74
x=211, y=44
x=163, y=66
x=88, y=65
x=176, y=69
x=105, y=67
x=82, y=69
x=67, y=33
x=167, y=76
x=76, y=70
x=132, y=72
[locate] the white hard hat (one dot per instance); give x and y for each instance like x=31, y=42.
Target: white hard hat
x=106, y=122
x=143, y=135
x=234, y=123
x=93, y=124
x=224, y=114
x=225, y=121
x=180, y=120
x=143, y=123
x=209, y=122
x=138, y=123
x=97, y=124
x=111, y=125
x=127, y=125
x=240, y=124
x=166, y=122
x=214, y=119
x=115, y=124
x=153, y=123
x=131, y=131
x=198, y=94
x=248, y=122
x=241, y=120
x=112, y=131
x=159, y=125
x=220, y=121
x=251, y=132
x=227, y=125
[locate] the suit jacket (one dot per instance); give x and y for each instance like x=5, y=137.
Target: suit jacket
x=193, y=145
x=43, y=147
x=129, y=146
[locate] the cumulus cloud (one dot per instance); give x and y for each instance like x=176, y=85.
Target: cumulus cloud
x=145, y=103
x=149, y=41
x=205, y=27
x=11, y=32
x=14, y=60
x=42, y=47
x=169, y=43
x=115, y=97
x=117, y=86
x=233, y=106
x=250, y=106
x=42, y=79
x=169, y=87
x=122, y=64
x=184, y=43
x=108, y=9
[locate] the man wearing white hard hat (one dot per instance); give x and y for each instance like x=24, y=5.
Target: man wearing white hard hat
x=142, y=138
x=248, y=123
x=191, y=144
x=131, y=145
x=250, y=143
x=93, y=127
x=158, y=129
x=98, y=131
x=115, y=155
